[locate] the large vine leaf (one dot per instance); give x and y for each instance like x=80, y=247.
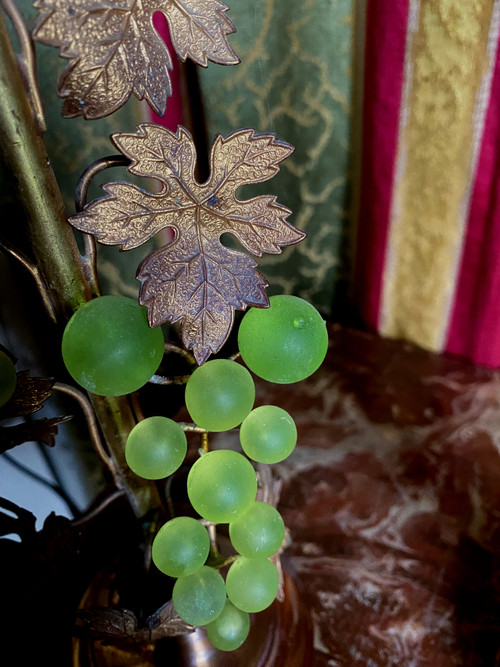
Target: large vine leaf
x=114, y=49
x=195, y=279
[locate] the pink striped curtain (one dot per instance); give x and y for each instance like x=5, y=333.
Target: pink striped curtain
x=428, y=240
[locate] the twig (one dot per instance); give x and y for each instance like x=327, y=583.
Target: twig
x=92, y=427
x=177, y=349
x=204, y=442
x=164, y=380
x=95, y=511
x=191, y=428
x=89, y=258
x=35, y=274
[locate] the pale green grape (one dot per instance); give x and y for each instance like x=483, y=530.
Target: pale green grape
x=268, y=434
x=108, y=347
x=230, y=628
x=219, y=395
x=221, y=485
x=155, y=447
x=200, y=597
x=252, y=583
x=180, y=547
x=284, y=343
x=8, y=378
x=257, y=532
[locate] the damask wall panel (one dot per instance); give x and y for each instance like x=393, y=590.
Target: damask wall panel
x=295, y=80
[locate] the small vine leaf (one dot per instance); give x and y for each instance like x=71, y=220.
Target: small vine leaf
x=165, y=622
x=195, y=279
x=114, y=49
x=28, y=397
x=39, y=430
x=115, y=623
x=108, y=622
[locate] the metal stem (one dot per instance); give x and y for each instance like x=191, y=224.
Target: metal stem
x=191, y=428
x=89, y=258
x=34, y=272
x=163, y=379
x=92, y=426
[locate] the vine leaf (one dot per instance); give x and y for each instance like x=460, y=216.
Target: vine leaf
x=39, y=430
x=116, y=623
x=29, y=396
x=195, y=279
x=114, y=50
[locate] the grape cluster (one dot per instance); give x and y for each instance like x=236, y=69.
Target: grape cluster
x=222, y=489
x=285, y=343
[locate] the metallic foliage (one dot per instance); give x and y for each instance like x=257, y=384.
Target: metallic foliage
x=114, y=49
x=194, y=278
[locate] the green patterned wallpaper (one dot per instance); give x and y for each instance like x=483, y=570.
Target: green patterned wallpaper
x=295, y=80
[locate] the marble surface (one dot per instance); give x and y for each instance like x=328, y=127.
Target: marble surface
x=392, y=499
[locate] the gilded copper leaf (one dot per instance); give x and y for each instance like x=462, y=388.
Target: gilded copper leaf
x=28, y=397
x=195, y=279
x=115, y=623
x=38, y=430
x=114, y=50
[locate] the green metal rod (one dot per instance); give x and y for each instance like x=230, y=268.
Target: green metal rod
x=35, y=187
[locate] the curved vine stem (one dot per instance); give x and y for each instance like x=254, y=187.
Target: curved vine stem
x=93, y=429
x=89, y=258
x=177, y=349
x=34, y=271
x=157, y=378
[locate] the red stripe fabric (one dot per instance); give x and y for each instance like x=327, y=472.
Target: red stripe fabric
x=173, y=115
x=385, y=47
x=474, y=329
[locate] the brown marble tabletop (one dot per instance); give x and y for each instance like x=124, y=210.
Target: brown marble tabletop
x=392, y=500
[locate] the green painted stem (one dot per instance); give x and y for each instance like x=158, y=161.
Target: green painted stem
x=22, y=150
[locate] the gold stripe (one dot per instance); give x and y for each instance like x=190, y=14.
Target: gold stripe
x=447, y=62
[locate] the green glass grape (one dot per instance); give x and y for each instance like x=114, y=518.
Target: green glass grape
x=8, y=378
x=268, y=434
x=230, y=628
x=108, y=347
x=252, y=584
x=221, y=485
x=180, y=547
x=200, y=597
x=257, y=532
x=155, y=447
x=284, y=343
x=219, y=394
